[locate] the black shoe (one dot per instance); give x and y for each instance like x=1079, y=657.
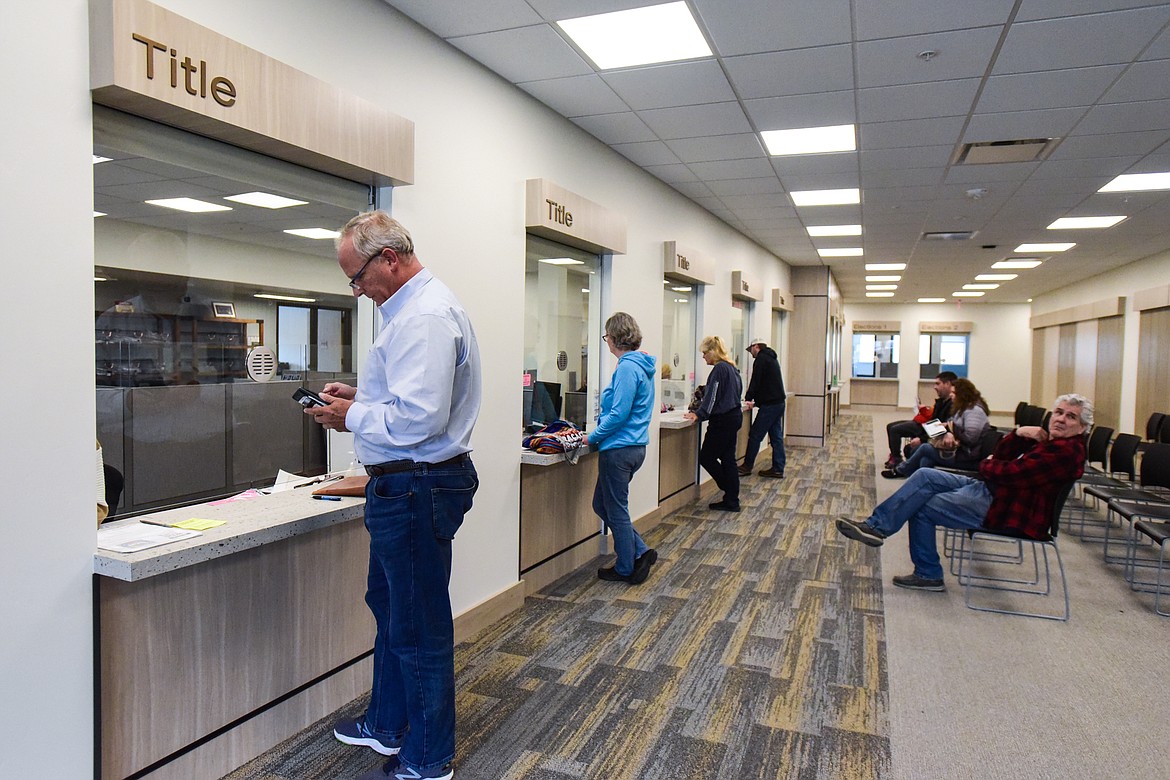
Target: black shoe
x=609, y=574
x=394, y=770
x=914, y=582
x=724, y=506
x=893, y=474
x=642, y=566
x=860, y=532
x=745, y=471
x=771, y=473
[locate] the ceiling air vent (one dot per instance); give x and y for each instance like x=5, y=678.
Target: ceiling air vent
x=949, y=235
x=1022, y=150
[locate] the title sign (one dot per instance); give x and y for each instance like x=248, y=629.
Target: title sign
x=560, y=215
x=683, y=264
x=744, y=288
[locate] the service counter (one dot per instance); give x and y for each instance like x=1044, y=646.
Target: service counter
x=213, y=649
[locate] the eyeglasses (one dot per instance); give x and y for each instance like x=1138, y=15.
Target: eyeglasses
x=353, y=280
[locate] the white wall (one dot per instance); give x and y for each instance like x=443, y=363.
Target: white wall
x=46, y=357
x=477, y=140
x=1000, y=355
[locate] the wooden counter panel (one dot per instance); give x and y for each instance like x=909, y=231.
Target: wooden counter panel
x=184, y=653
x=741, y=439
x=873, y=393
x=556, y=508
x=678, y=459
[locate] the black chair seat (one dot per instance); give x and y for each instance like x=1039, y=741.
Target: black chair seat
x=1135, y=509
x=1159, y=532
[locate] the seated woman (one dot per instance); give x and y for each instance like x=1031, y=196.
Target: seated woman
x=959, y=448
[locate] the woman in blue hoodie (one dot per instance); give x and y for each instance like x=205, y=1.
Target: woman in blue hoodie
x=722, y=408
x=621, y=435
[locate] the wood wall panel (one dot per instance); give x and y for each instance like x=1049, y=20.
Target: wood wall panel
x=678, y=459
x=1066, y=357
x=1085, y=361
x=1037, y=388
x=873, y=393
x=1107, y=387
x=1153, y=378
x=741, y=438
x=556, y=508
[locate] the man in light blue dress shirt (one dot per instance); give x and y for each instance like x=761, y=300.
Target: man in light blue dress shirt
x=411, y=414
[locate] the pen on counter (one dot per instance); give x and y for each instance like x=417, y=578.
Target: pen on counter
x=318, y=481
x=327, y=498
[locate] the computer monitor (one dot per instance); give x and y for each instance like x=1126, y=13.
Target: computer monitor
x=529, y=385
x=548, y=399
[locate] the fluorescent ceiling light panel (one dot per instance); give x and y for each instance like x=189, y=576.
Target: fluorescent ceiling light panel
x=881, y=287
x=1138, y=182
x=188, y=204
x=967, y=294
x=1084, y=223
x=834, y=230
x=293, y=298
x=265, y=200
x=97, y=158
x=885, y=266
x=981, y=287
x=1043, y=247
x=826, y=197
x=639, y=36
x=561, y=261
x=810, y=140
x=879, y=295
x=100, y=279
x=319, y=234
x=883, y=278
x=995, y=277
x=1017, y=263
x=841, y=251
x=932, y=300
x=99, y=214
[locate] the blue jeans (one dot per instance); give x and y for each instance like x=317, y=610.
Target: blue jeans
x=769, y=421
x=611, y=502
x=412, y=516
x=928, y=499
x=927, y=456
x=717, y=455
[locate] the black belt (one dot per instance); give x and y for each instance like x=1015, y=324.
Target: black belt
x=397, y=466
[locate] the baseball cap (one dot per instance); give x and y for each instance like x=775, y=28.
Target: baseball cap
x=761, y=342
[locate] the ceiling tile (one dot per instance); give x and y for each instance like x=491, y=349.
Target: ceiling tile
x=906, y=177
x=746, y=26
x=1080, y=145
x=576, y=95
x=761, y=205
x=820, y=110
x=676, y=84
x=763, y=186
x=616, y=128
x=890, y=18
x=990, y=173
x=444, y=20
x=1143, y=81
x=815, y=164
x=917, y=101
x=911, y=157
x=717, y=147
x=893, y=61
x=733, y=169
x=1010, y=125
x=694, y=121
x=647, y=153
x=821, y=181
x=672, y=174
x=559, y=10
x=525, y=54
x=1085, y=167
x=820, y=69
x=1096, y=39
x=1148, y=115
x=1160, y=50
x=1050, y=89
x=912, y=132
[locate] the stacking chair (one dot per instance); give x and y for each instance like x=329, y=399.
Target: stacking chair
x=1035, y=415
x=987, y=444
x=1098, y=449
x=967, y=556
x=1154, y=425
x=1021, y=413
x=1164, y=431
x=1121, y=463
x=1159, y=534
x=1130, y=502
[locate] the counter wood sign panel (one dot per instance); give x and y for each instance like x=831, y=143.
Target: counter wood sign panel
x=945, y=327
x=683, y=264
x=782, y=300
x=557, y=214
x=744, y=288
x=155, y=64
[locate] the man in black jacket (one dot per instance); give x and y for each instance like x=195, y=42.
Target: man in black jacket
x=766, y=392
x=944, y=388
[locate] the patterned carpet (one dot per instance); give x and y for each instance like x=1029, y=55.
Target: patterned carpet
x=755, y=650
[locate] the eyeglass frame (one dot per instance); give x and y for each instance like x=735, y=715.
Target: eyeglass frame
x=353, y=280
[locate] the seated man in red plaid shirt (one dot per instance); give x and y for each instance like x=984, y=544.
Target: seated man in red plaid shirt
x=1017, y=490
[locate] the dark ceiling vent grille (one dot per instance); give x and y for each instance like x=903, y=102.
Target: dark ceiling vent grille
x=990, y=152
x=951, y=235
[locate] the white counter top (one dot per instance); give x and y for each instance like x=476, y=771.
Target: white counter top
x=675, y=419
x=250, y=524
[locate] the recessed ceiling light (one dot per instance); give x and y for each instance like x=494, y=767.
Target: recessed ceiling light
x=1084, y=223
x=967, y=294
x=1043, y=247
x=265, y=200
x=1138, y=182
x=319, y=234
x=810, y=140
x=879, y=295
x=1013, y=263
x=293, y=298
x=188, y=204
x=981, y=287
x=99, y=214
x=995, y=277
x=932, y=300
x=885, y=266
x=883, y=278
x=100, y=279
x=681, y=289
x=834, y=230
x=97, y=158
x=841, y=251
x=584, y=289
x=881, y=287
x=561, y=261
x=826, y=197
x=638, y=36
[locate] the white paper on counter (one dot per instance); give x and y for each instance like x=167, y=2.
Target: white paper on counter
x=139, y=536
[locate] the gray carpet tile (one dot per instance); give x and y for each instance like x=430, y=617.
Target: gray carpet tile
x=755, y=650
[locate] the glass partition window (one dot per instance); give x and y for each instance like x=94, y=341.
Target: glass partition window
x=938, y=352
x=875, y=355
x=741, y=312
x=679, y=312
x=562, y=334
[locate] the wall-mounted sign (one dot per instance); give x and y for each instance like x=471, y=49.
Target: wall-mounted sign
x=745, y=289
x=945, y=327
x=782, y=300
x=155, y=64
x=877, y=326
x=555, y=213
x=683, y=264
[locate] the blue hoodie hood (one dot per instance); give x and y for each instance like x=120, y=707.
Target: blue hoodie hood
x=627, y=404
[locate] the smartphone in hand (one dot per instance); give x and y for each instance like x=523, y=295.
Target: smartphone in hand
x=307, y=398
